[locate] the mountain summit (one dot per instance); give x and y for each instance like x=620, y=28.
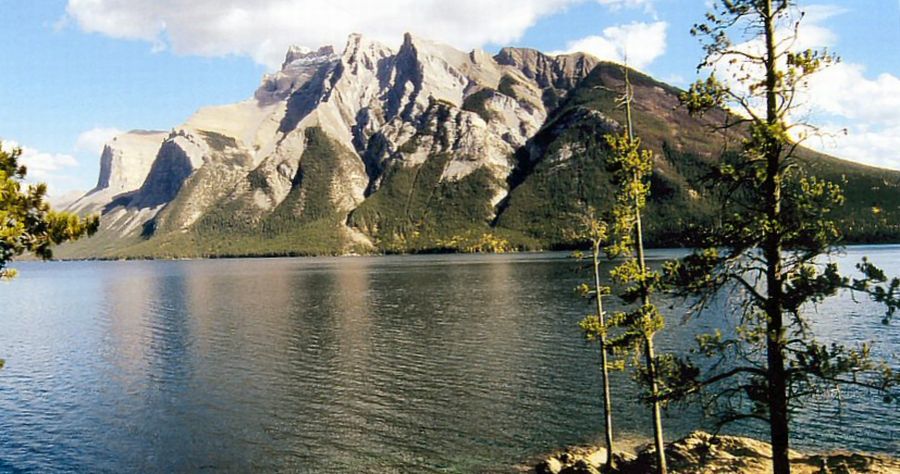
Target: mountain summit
x=419, y=148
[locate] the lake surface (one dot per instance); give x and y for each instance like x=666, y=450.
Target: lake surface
x=383, y=364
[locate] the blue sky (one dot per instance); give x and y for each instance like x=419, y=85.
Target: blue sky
x=77, y=71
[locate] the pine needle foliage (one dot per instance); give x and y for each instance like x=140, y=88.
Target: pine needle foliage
x=27, y=224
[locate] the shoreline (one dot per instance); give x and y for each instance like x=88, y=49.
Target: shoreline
x=373, y=254
x=703, y=453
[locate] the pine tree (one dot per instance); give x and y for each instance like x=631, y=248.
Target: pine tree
x=631, y=168
x=27, y=224
x=594, y=325
x=771, y=247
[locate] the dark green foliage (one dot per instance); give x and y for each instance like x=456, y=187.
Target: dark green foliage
x=316, y=238
x=307, y=222
x=871, y=210
x=311, y=198
x=231, y=216
x=27, y=224
x=555, y=189
x=195, y=190
x=656, y=119
x=415, y=211
x=217, y=141
x=507, y=86
x=683, y=198
x=257, y=180
x=551, y=189
x=542, y=206
x=477, y=103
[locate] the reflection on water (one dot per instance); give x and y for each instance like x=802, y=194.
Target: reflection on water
x=396, y=364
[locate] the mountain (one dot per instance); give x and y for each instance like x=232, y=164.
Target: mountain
x=418, y=148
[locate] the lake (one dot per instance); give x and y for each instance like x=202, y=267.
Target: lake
x=459, y=363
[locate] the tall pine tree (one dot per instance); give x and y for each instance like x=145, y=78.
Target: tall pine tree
x=631, y=167
x=775, y=232
x=594, y=325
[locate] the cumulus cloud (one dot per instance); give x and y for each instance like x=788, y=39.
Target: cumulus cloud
x=263, y=29
x=868, y=109
x=641, y=43
x=873, y=147
x=41, y=164
x=647, y=5
x=50, y=168
x=843, y=90
x=92, y=141
x=858, y=115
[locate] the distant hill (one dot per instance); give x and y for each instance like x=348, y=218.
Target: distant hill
x=424, y=148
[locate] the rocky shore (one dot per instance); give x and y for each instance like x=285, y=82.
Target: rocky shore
x=703, y=453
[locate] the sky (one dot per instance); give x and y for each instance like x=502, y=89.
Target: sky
x=74, y=73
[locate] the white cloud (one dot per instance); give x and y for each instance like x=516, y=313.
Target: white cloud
x=843, y=90
x=877, y=147
x=840, y=98
x=640, y=42
x=263, y=29
x=619, y=4
x=43, y=167
x=869, y=109
x=92, y=141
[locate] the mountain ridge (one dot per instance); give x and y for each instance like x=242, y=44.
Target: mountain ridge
x=418, y=148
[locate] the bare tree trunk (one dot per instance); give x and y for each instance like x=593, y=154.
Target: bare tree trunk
x=607, y=402
x=776, y=375
x=650, y=355
x=657, y=419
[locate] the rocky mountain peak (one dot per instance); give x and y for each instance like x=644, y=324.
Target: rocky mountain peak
x=439, y=71
x=182, y=153
x=301, y=57
x=363, y=52
x=294, y=51
x=426, y=47
x=563, y=71
x=300, y=65
x=127, y=158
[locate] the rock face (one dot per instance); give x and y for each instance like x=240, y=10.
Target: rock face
x=179, y=157
x=300, y=65
x=124, y=164
x=555, y=75
x=417, y=148
x=127, y=159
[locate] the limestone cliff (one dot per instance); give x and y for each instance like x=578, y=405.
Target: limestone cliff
x=124, y=164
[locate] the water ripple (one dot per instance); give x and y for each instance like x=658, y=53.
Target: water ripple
x=397, y=364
